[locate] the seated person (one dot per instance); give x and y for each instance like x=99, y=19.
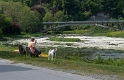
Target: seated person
x=32, y=47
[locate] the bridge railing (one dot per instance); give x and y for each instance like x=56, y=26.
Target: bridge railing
x=85, y=22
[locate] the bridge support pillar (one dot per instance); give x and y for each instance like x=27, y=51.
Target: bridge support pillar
x=118, y=26
x=106, y=24
x=112, y=24
x=122, y=26
x=102, y=24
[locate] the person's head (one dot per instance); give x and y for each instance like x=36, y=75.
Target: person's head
x=32, y=39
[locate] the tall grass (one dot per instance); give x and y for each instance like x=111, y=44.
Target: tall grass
x=116, y=34
x=69, y=62
x=114, y=62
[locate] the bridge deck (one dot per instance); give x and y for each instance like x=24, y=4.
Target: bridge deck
x=85, y=22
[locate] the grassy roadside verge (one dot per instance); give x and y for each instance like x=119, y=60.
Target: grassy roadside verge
x=76, y=67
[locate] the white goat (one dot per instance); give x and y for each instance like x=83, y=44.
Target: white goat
x=52, y=54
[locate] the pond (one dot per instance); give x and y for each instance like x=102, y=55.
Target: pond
x=89, y=47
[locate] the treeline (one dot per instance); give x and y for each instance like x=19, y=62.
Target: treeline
x=18, y=16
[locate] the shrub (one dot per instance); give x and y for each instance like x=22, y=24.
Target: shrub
x=116, y=34
x=28, y=20
x=13, y=29
x=1, y=35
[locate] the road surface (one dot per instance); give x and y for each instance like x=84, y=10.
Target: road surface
x=19, y=71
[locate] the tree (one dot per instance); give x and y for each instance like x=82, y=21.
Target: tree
x=5, y=22
x=59, y=16
x=40, y=10
x=120, y=6
x=48, y=17
x=27, y=19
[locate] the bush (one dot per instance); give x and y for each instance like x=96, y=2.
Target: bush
x=5, y=22
x=28, y=20
x=13, y=29
x=1, y=35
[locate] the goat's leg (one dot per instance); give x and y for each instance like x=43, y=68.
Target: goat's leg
x=48, y=57
x=52, y=57
x=55, y=56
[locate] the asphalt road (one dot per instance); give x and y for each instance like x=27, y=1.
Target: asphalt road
x=19, y=71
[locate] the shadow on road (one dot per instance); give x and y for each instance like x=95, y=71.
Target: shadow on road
x=9, y=68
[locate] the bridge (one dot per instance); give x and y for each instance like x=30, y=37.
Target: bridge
x=115, y=24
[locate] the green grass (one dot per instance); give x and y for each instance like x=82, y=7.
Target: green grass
x=22, y=35
x=77, y=32
x=97, y=33
x=79, y=67
x=116, y=34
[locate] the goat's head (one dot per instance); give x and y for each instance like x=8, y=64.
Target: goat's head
x=55, y=49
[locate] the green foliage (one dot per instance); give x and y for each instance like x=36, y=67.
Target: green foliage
x=85, y=32
x=109, y=61
x=58, y=16
x=29, y=22
x=48, y=18
x=22, y=35
x=87, y=14
x=7, y=26
x=99, y=60
x=80, y=9
x=5, y=22
x=119, y=62
x=27, y=19
x=1, y=35
x=116, y=34
x=62, y=10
